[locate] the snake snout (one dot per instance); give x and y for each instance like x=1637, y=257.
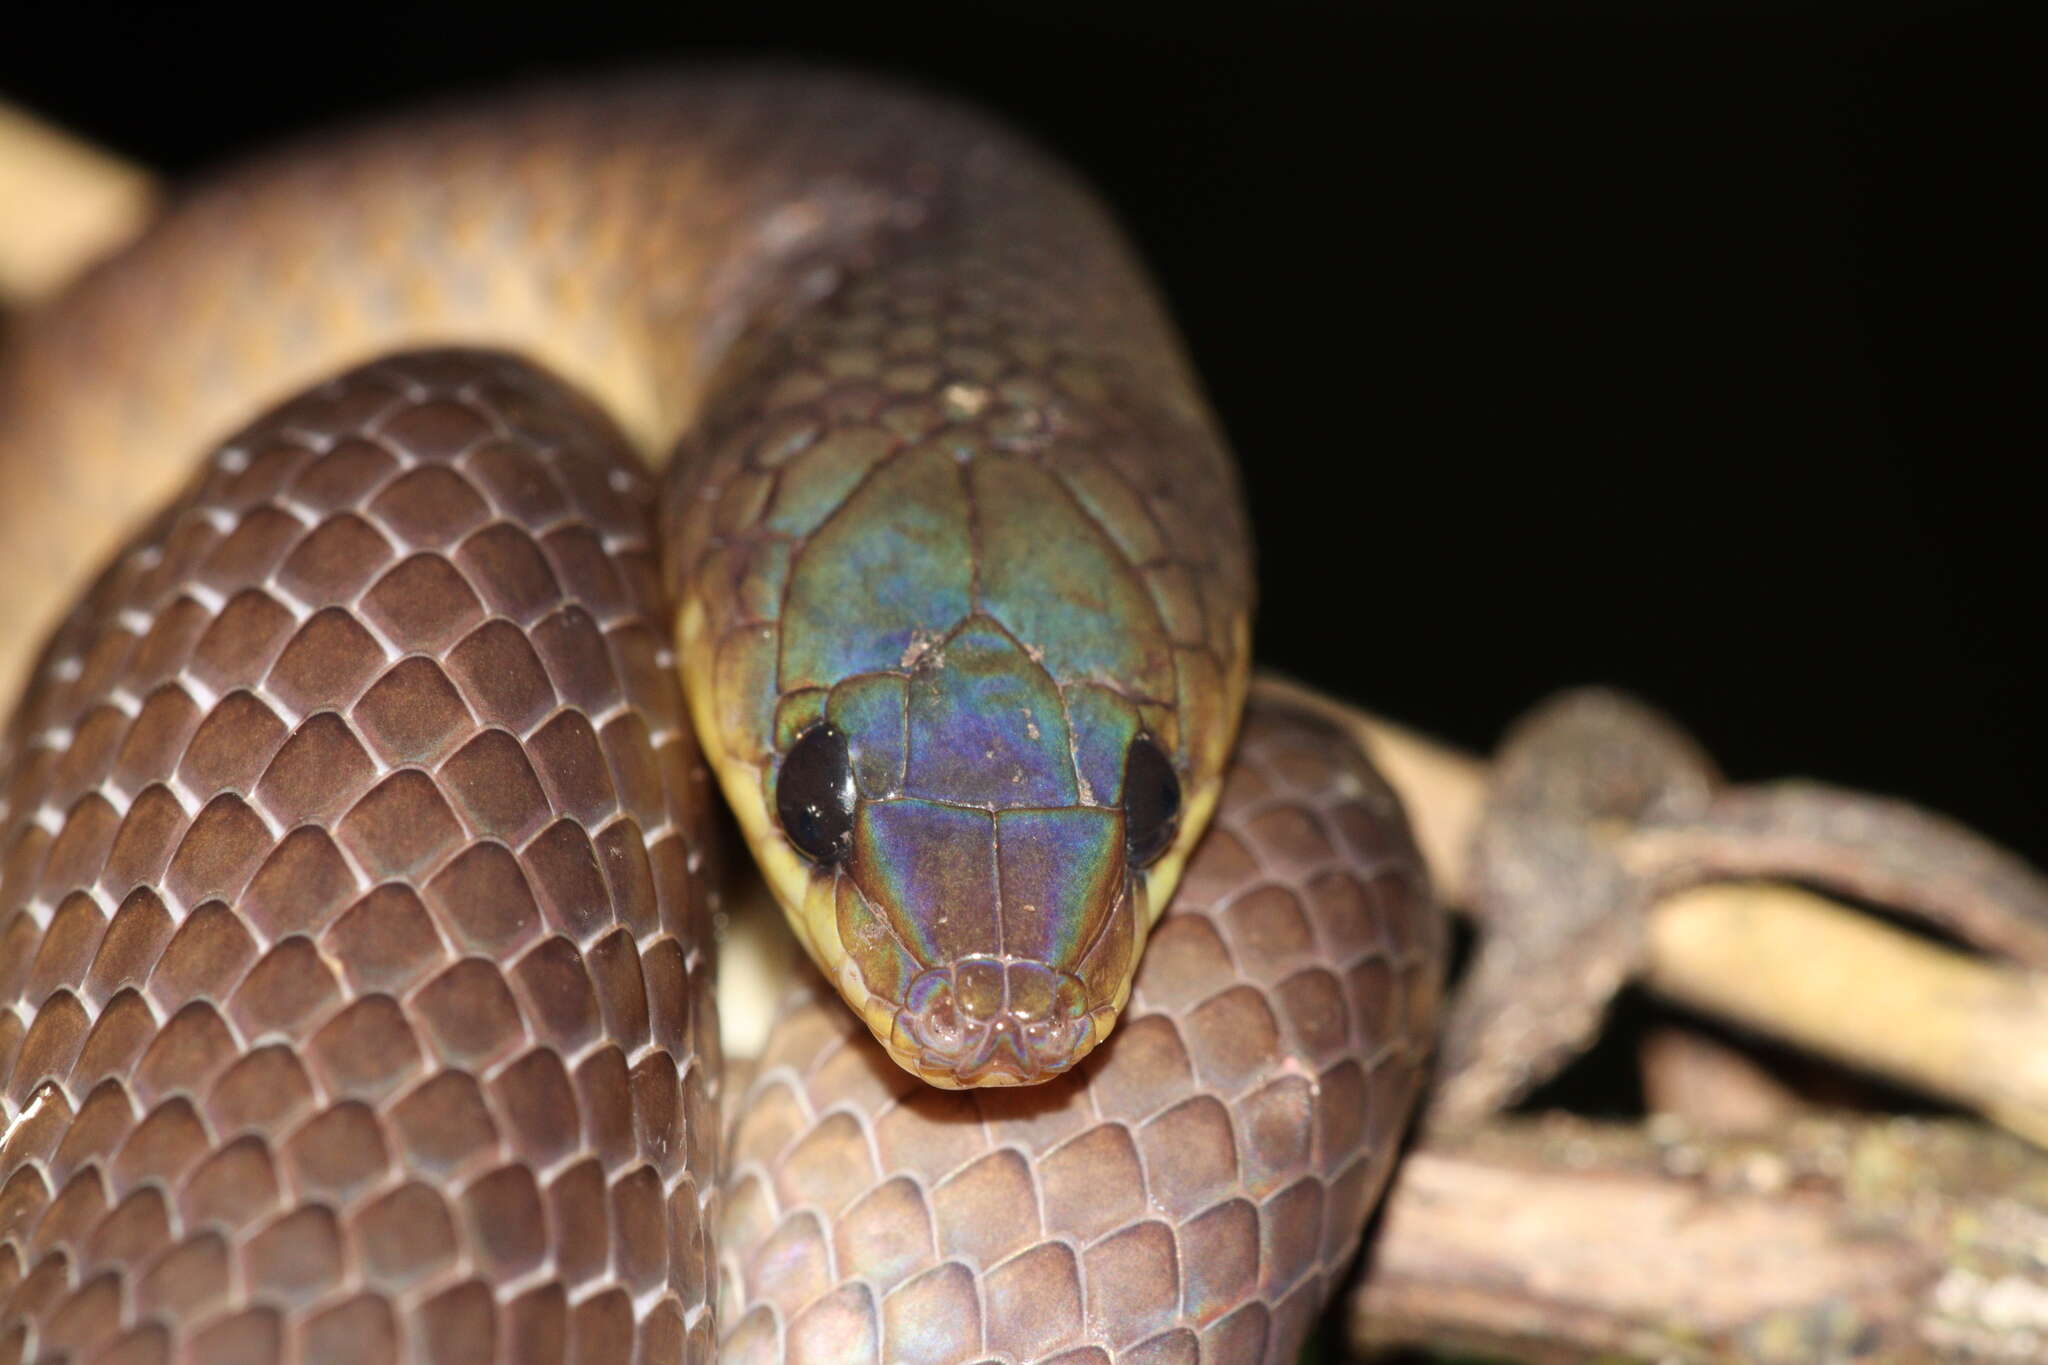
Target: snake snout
x=983, y=1021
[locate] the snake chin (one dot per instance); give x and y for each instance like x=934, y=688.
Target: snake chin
x=988, y=1022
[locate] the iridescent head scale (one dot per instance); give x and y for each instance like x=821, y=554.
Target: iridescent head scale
x=964, y=626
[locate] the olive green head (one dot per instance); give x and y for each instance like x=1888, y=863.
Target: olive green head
x=968, y=746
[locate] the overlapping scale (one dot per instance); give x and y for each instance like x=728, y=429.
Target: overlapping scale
x=1188, y=1195
x=355, y=981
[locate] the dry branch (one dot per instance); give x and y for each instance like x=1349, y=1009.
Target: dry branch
x=1838, y=983
x=1778, y=959
x=1559, y=1240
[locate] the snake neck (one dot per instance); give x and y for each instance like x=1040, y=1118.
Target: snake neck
x=626, y=238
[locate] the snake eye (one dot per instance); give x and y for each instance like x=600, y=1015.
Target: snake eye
x=1151, y=801
x=814, y=795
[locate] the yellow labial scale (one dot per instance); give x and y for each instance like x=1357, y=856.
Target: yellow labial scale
x=887, y=969
x=816, y=918
x=1108, y=961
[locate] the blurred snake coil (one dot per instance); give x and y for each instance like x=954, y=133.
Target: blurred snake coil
x=517, y=482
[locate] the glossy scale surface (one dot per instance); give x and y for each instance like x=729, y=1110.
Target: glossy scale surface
x=354, y=911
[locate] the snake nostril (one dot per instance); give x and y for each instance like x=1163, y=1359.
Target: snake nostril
x=933, y=1013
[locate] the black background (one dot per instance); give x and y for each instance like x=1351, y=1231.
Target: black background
x=1561, y=343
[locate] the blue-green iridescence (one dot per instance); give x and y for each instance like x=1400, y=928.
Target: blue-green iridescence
x=1052, y=576
x=1103, y=725
x=989, y=697
x=873, y=712
x=978, y=730
x=986, y=725
x=891, y=570
x=1059, y=873
x=933, y=868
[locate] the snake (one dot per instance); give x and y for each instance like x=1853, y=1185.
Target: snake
x=444, y=556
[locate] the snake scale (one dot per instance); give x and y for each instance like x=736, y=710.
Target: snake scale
x=513, y=481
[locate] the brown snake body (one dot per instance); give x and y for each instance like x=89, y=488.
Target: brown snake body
x=356, y=921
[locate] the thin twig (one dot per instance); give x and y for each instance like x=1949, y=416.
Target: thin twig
x=1842, y=984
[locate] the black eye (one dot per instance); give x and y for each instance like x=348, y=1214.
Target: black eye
x=814, y=795
x=1151, y=801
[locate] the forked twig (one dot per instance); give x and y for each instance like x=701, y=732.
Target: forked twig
x=1778, y=959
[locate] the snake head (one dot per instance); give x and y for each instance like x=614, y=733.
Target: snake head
x=985, y=842
x=969, y=739
x=958, y=544
x=992, y=885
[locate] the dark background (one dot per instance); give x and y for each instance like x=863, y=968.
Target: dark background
x=1560, y=343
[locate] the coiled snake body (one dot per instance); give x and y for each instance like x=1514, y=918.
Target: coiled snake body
x=357, y=909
